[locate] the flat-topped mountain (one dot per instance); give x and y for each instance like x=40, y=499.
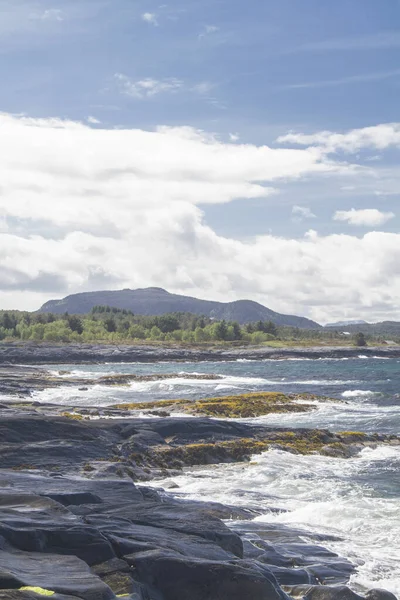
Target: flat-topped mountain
x=156, y=301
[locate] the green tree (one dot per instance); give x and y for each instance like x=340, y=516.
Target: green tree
x=75, y=324
x=137, y=332
x=110, y=325
x=237, y=332
x=221, y=331
x=201, y=335
x=155, y=333
x=188, y=336
x=167, y=323
x=359, y=340
x=271, y=328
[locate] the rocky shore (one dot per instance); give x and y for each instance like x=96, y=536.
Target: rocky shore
x=78, y=520
x=32, y=353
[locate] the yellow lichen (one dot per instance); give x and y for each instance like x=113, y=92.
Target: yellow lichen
x=241, y=406
x=37, y=590
x=74, y=416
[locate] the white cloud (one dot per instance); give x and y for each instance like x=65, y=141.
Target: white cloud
x=367, y=217
x=90, y=208
x=149, y=87
x=302, y=212
x=204, y=87
x=208, y=30
x=234, y=137
x=52, y=14
x=146, y=88
x=378, y=137
x=150, y=18
x=211, y=29
x=93, y=120
x=362, y=78
x=375, y=41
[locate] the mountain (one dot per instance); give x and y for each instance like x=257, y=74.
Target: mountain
x=156, y=301
x=346, y=323
x=385, y=329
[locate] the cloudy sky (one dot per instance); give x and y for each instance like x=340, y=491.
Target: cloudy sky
x=215, y=148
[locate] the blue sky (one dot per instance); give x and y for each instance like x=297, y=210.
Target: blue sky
x=245, y=73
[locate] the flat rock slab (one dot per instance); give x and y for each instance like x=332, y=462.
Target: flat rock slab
x=64, y=489
x=180, y=578
x=176, y=518
x=63, y=574
x=29, y=595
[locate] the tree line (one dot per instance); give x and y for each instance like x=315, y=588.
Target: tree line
x=108, y=324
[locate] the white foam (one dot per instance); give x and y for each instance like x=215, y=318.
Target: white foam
x=320, y=495
x=358, y=393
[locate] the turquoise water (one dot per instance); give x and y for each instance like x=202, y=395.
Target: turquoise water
x=357, y=499
x=368, y=389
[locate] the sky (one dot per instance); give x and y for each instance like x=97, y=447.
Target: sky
x=218, y=149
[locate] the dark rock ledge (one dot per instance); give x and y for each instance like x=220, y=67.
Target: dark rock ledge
x=78, y=522
x=34, y=353
x=73, y=524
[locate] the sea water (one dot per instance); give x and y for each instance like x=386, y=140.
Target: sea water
x=357, y=499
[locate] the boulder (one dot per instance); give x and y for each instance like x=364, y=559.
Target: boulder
x=321, y=592
x=378, y=594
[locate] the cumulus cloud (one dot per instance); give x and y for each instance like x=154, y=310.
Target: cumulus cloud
x=124, y=208
x=367, y=217
x=150, y=18
x=300, y=213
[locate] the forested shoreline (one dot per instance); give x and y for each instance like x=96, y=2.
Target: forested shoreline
x=107, y=324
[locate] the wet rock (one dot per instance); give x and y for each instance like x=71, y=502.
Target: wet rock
x=33, y=353
x=321, y=592
x=63, y=574
x=29, y=595
x=136, y=538
x=287, y=576
x=378, y=594
x=77, y=540
x=332, y=573
x=181, y=578
x=266, y=553
x=174, y=517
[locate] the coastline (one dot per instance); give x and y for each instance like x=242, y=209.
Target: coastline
x=82, y=514
x=34, y=353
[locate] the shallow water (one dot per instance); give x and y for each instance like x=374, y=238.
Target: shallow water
x=356, y=499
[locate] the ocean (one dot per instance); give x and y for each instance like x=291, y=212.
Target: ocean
x=356, y=500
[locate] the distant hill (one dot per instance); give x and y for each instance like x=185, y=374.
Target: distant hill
x=388, y=329
x=156, y=301
x=346, y=323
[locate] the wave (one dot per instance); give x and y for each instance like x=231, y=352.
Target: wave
x=319, y=495
x=358, y=393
